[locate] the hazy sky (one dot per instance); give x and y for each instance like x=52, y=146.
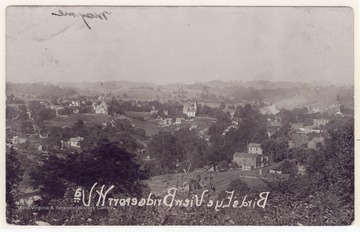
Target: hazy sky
x=180, y=44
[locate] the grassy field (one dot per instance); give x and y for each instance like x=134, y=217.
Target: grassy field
x=150, y=126
x=71, y=119
x=137, y=115
x=201, y=122
x=221, y=180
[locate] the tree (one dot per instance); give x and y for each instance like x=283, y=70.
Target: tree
x=286, y=116
x=326, y=191
x=79, y=125
x=14, y=173
x=105, y=164
x=27, y=127
x=65, y=111
x=276, y=149
x=223, y=165
x=300, y=113
x=115, y=107
x=282, y=132
x=163, y=147
x=222, y=105
x=301, y=154
x=40, y=112
x=53, y=141
x=11, y=113
x=333, y=167
x=216, y=154
x=192, y=147
x=23, y=113
x=124, y=125
x=288, y=167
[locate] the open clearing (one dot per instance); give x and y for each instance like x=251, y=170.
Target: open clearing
x=71, y=119
x=220, y=180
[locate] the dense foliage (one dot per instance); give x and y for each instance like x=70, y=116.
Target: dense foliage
x=324, y=195
x=14, y=174
x=105, y=164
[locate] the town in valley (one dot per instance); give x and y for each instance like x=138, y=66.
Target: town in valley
x=180, y=115
x=203, y=137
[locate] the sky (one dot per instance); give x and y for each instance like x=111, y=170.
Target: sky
x=166, y=45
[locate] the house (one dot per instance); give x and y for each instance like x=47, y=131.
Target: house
x=320, y=121
x=296, y=126
x=275, y=123
x=75, y=103
x=190, y=109
x=75, y=142
x=315, y=143
x=339, y=114
x=247, y=161
x=179, y=121
x=167, y=121
x=152, y=112
x=193, y=127
x=236, y=121
x=18, y=140
x=166, y=112
x=255, y=148
x=102, y=108
x=310, y=129
x=297, y=140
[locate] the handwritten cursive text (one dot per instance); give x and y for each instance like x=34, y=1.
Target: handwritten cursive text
x=84, y=16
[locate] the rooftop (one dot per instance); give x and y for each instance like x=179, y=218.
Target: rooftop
x=77, y=139
x=298, y=139
x=254, y=145
x=317, y=140
x=242, y=154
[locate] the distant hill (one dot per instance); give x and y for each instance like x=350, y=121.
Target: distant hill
x=105, y=87
x=39, y=90
x=262, y=84
x=282, y=94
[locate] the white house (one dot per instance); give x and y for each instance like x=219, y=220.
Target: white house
x=255, y=148
x=102, y=108
x=190, y=109
x=75, y=142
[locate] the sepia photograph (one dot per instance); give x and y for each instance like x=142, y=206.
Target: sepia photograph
x=179, y=115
